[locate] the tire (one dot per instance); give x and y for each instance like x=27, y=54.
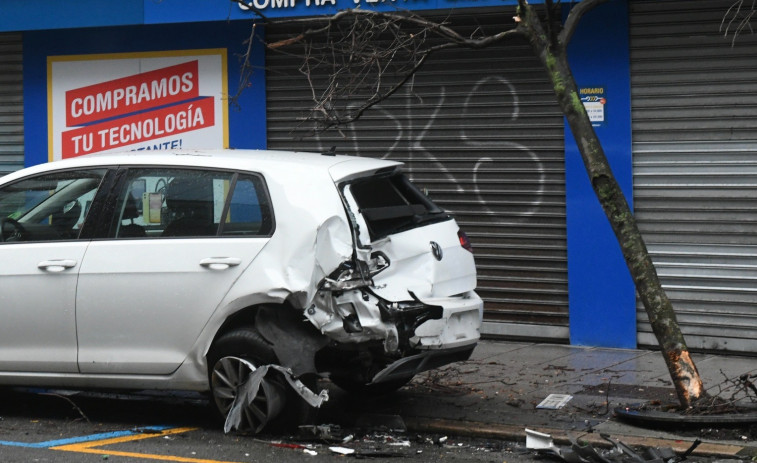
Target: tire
x=277, y=407
x=357, y=387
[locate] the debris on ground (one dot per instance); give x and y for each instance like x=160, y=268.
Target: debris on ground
x=618, y=453
x=381, y=422
x=342, y=450
x=445, y=381
x=321, y=432
x=373, y=445
x=354, y=443
x=555, y=401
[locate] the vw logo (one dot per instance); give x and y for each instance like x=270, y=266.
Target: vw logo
x=436, y=250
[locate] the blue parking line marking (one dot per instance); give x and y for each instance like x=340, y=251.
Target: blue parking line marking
x=88, y=438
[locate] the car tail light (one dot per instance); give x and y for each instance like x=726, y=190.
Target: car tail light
x=464, y=241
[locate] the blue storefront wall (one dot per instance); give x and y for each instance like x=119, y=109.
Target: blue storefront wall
x=601, y=293
x=246, y=118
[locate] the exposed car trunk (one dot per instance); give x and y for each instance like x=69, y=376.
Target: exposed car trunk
x=405, y=301
x=421, y=242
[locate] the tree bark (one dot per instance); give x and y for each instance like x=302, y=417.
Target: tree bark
x=552, y=53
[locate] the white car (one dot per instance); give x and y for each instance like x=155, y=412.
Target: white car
x=190, y=269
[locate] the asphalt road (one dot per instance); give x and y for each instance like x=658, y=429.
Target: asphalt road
x=53, y=426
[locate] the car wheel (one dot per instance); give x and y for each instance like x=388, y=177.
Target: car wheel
x=358, y=387
x=228, y=373
x=276, y=406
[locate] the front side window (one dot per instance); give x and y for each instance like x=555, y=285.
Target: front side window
x=166, y=202
x=48, y=207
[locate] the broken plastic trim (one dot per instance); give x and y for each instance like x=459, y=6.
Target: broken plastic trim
x=248, y=391
x=408, y=367
x=356, y=274
x=620, y=453
x=408, y=316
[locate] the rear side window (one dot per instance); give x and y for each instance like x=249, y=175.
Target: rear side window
x=390, y=204
x=160, y=202
x=249, y=212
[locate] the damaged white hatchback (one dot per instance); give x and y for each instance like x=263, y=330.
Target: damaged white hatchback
x=247, y=274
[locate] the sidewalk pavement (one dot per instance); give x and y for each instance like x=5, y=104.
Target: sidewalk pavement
x=495, y=393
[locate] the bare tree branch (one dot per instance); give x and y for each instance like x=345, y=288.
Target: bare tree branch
x=368, y=56
x=576, y=13
x=379, y=97
x=250, y=6
x=408, y=18
x=247, y=68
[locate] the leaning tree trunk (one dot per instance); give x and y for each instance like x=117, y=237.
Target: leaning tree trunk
x=553, y=56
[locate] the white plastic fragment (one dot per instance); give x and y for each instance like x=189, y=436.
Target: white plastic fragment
x=402, y=443
x=555, y=401
x=342, y=450
x=536, y=440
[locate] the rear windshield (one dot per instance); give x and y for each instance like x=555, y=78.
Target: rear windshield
x=391, y=204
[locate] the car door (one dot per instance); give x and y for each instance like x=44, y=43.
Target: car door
x=178, y=241
x=41, y=223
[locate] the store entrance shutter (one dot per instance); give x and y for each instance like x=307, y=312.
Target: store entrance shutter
x=694, y=110
x=11, y=104
x=481, y=131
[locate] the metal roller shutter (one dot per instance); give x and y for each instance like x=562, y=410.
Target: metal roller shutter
x=11, y=104
x=481, y=131
x=694, y=111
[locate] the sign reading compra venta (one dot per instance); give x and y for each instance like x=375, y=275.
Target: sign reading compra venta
x=137, y=101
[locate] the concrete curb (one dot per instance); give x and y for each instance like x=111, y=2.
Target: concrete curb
x=561, y=437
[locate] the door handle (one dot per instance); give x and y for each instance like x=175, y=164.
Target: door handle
x=220, y=263
x=57, y=265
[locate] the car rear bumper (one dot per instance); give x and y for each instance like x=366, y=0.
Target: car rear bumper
x=441, y=341
x=407, y=367
x=458, y=326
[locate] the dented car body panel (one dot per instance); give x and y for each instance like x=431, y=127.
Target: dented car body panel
x=370, y=292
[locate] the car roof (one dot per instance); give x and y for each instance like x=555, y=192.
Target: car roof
x=254, y=160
